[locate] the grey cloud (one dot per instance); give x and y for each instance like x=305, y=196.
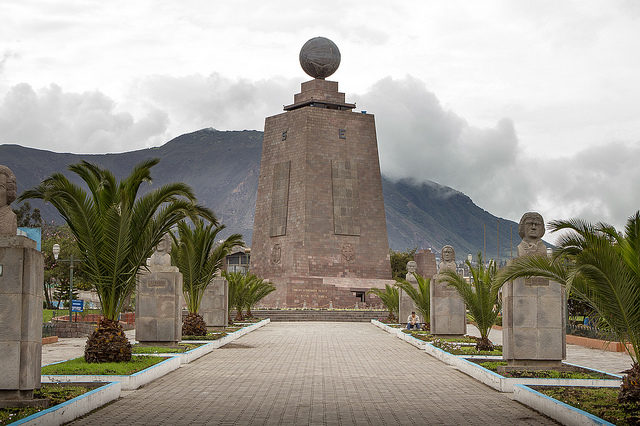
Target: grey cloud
x=198, y=101
x=81, y=122
x=420, y=139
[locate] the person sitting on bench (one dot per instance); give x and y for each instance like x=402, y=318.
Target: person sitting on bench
x=413, y=321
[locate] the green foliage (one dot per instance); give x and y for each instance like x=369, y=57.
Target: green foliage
x=420, y=296
x=257, y=289
x=399, y=260
x=390, y=299
x=598, y=265
x=28, y=218
x=198, y=258
x=245, y=291
x=480, y=295
x=80, y=366
x=115, y=229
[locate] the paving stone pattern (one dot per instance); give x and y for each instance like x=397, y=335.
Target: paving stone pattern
x=315, y=373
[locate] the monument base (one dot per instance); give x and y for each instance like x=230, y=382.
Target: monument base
x=323, y=292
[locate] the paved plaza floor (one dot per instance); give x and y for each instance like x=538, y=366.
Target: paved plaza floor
x=315, y=373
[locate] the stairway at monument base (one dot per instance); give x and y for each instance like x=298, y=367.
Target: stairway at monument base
x=324, y=292
x=279, y=315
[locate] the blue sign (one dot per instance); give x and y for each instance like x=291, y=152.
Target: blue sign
x=77, y=305
x=33, y=233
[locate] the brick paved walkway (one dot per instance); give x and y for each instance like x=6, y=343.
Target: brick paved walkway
x=316, y=373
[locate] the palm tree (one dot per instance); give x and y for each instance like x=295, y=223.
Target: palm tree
x=420, y=296
x=237, y=293
x=257, y=289
x=389, y=298
x=116, y=232
x=198, y=258
x=480, y=296
x=602, y=267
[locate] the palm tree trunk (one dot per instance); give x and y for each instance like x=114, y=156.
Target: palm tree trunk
x=630, y=389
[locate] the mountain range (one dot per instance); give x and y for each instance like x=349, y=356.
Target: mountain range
x=223, y=167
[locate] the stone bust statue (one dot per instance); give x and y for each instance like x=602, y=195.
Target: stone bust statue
x=8, y=194
x=412, y=267
x=161, y=255
x=531, y=230
x=448, y=262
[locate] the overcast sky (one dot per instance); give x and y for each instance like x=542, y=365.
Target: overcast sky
x=522, y=105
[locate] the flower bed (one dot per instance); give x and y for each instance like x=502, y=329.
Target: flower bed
x=473, y=368
x=600, y=402
x=209, y=336
x=67, y=401
x=181, y=348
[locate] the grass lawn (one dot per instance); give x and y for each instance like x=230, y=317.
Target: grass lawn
x=601, y=402
x=182, y=347
x=209, y=336
x=56, y=394
x=80, y=366
x=547, y=374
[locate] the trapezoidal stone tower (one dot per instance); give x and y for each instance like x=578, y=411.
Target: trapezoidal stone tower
x=320, y=232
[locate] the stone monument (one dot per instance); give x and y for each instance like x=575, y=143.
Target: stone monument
x=448, y=311
x=215, y=302
x=533, y=332
x=21, y=277
x=319, y=231
x=158, y=303
x=406, y=303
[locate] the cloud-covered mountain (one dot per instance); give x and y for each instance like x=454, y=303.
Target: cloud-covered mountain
x=223, y=169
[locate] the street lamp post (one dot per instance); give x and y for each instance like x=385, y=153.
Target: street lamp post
x=56, y=253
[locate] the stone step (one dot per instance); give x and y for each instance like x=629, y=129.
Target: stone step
x=318, y=315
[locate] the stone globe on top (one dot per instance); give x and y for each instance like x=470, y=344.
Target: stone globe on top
x=319, y=57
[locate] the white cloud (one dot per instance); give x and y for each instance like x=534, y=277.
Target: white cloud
x=87, y=122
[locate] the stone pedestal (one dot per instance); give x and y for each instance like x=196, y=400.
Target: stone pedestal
x=158, y=310
x=533, y=324
x=20, y=317
x=447, y=311
x=407, y=305
x=215, y=302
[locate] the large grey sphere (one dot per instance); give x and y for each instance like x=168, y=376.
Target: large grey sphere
x=319, y=57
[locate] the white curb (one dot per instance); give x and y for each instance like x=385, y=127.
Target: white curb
x=131, y=382
x=557, y=410
x=74, y=408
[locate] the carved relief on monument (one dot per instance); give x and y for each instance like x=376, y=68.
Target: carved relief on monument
x=280, y=199
x=346, y=208
x=8, y=193
x=276, y=254
x=348, y=253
